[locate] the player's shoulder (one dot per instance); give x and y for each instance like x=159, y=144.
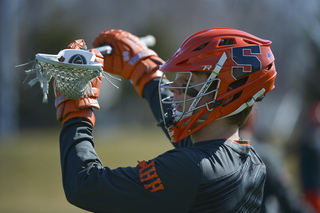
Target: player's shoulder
x=197, y=152
x=191, y=157
x=181, y=160
x=184, y=154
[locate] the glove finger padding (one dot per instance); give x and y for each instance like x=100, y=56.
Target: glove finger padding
x=99, y=57
x=125, y=47
x=79, y=44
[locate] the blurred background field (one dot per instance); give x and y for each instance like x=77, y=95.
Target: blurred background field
x=30, y=179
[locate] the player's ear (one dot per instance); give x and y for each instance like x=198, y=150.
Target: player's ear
x=228, y=100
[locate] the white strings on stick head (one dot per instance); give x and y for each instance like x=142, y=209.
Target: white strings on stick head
x=72, y=70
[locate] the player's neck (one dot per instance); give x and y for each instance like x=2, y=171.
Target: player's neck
x=218, y=129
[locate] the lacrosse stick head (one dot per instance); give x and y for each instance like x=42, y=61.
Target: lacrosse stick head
x=71, y=69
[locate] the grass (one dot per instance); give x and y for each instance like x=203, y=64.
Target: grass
x=30, y=177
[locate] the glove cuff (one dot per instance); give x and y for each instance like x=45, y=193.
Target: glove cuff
x=145, y=71
x=83, y=113
x=69, y=109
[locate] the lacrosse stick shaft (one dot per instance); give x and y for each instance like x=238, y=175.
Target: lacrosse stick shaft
x=149, y=40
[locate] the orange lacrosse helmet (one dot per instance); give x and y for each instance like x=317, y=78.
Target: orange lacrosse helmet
x=240, y=67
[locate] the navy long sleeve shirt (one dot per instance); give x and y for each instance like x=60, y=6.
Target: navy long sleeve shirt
x=210, y=176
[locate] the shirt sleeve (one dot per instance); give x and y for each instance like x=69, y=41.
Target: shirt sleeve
x=151, y=94
x=168, y=183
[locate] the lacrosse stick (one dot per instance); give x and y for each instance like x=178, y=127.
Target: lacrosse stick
x=72, y=70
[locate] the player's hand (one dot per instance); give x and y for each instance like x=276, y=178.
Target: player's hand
x=130, y=59
x=82, y=107
x=125, y=47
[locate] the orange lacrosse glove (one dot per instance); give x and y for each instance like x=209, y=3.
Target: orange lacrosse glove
x=130, y=58
x=82, y=107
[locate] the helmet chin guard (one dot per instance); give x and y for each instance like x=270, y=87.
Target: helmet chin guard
x=242, y=66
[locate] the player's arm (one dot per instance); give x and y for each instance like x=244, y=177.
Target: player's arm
x=165, y=184
x=132, y=59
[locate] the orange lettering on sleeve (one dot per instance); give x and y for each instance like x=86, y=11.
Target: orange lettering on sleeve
x=149, y=175
x=153, y=186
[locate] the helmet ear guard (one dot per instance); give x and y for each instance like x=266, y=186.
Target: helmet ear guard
x=243, y=66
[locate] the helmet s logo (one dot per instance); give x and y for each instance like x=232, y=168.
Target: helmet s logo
x=77, y=59
x=246, y=59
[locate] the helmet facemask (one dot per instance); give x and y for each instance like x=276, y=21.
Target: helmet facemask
x=172, y=116
x=191, y=94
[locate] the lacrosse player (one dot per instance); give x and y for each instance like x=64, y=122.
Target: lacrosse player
x=219, y=74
